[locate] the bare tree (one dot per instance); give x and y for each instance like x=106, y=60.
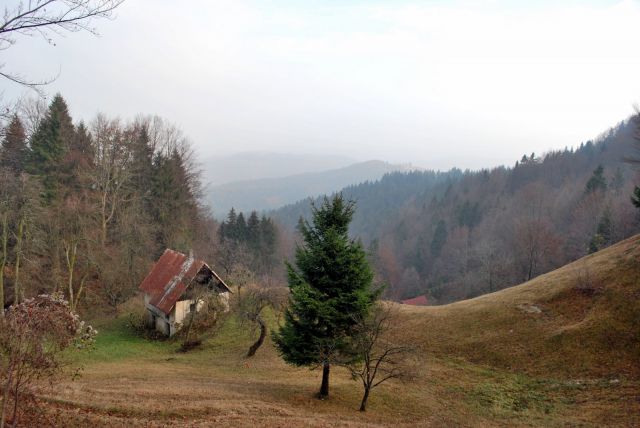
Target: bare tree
x=111, y=173
x=252, y=305
x=48, y=18
x=205, y=317
x=380, y=355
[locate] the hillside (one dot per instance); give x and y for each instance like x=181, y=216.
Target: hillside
x=267, y=193
x=559, y=350
x=582, y=320
x=457, y=235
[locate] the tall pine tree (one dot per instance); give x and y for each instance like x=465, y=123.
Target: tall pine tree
x=331, y=287
x=48, y=146
x=14, y=146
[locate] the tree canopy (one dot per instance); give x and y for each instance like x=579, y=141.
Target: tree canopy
x=331, y=287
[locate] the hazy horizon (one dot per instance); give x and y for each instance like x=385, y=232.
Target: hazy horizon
x=436, y=84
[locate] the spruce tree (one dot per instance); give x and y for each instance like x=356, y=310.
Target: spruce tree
x=439, y=238
x=331, y=288
x=597, y=182
x=48, y=146
x=241, y=228
x=635, y=198
x=14, y=146
x=602, y=237
x=253, y=231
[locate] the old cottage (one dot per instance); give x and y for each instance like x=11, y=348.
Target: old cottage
x=168, y=290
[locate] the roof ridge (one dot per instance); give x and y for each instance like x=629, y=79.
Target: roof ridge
x=186, y=265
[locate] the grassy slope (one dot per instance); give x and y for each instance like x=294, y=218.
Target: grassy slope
x=485, y=362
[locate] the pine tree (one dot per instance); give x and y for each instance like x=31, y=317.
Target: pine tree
x=77, y=161
x=141, y=163
x=174, y=205
x=48, y=146
x=241, y=228
x=14, y=146
x=439, y=238
x=228, y=228
x=597, y=182
x=253, y=231
x=331, y=287
x=602, y=237
x=635, y=198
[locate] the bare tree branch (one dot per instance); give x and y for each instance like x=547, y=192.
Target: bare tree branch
x=46, y=18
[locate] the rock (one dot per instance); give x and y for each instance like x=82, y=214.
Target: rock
x=529, y=308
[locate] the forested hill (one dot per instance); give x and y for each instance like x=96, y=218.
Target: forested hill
x=377, y=200
x=457, y=234
x=271, y=193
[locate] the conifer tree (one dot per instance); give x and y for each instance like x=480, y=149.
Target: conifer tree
x=635, y=198
x=241, y=228
x=331, y=287
x=439, y=238
x=49, y=144
x=14, y=146
x=602, y=237
x=253, y=230
x=597, y=182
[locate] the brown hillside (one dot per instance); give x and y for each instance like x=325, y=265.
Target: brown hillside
x=580, y=320
x=561, y=350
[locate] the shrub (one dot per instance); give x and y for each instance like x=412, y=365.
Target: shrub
x=33, y=336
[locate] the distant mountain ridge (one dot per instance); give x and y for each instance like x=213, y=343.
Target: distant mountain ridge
x=248, y=166
x=271, y=193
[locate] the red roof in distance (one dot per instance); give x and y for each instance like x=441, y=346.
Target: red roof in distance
x=416, y=301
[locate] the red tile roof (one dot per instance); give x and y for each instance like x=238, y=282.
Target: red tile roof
x=416, y=301
x=170, y=277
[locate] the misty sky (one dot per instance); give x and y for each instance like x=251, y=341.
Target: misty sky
x=434, y=83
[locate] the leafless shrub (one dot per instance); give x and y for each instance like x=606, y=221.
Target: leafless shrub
x=204, y=322
x=251, y=306
x=586, y=283
x=33, y=336
x=380, y=353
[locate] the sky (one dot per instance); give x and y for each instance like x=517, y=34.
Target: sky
x=434, y=83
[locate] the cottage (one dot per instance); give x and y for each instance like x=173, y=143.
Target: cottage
x=168, y=290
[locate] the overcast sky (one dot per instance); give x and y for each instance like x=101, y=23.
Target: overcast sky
x=437, y=84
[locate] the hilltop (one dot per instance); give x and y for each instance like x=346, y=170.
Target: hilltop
x=559, y=350
x=268, y=193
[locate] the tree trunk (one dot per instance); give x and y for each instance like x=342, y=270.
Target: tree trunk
x=5, y=240
x=365, y=398
x=324, y=388
x=263, y=335
x=18, y=293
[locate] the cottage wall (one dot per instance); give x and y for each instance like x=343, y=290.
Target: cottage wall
x=170, y=324
x=181, y=310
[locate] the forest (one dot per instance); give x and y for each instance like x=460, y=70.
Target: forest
x=456, y=235
x=86, y=208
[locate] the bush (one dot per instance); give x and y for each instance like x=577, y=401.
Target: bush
x=33, y=336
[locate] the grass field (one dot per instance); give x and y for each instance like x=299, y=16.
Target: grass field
x=563, y=349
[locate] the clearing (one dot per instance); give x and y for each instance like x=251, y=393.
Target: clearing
x=562, y=349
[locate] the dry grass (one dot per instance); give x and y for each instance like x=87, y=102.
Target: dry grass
x=545, y=353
